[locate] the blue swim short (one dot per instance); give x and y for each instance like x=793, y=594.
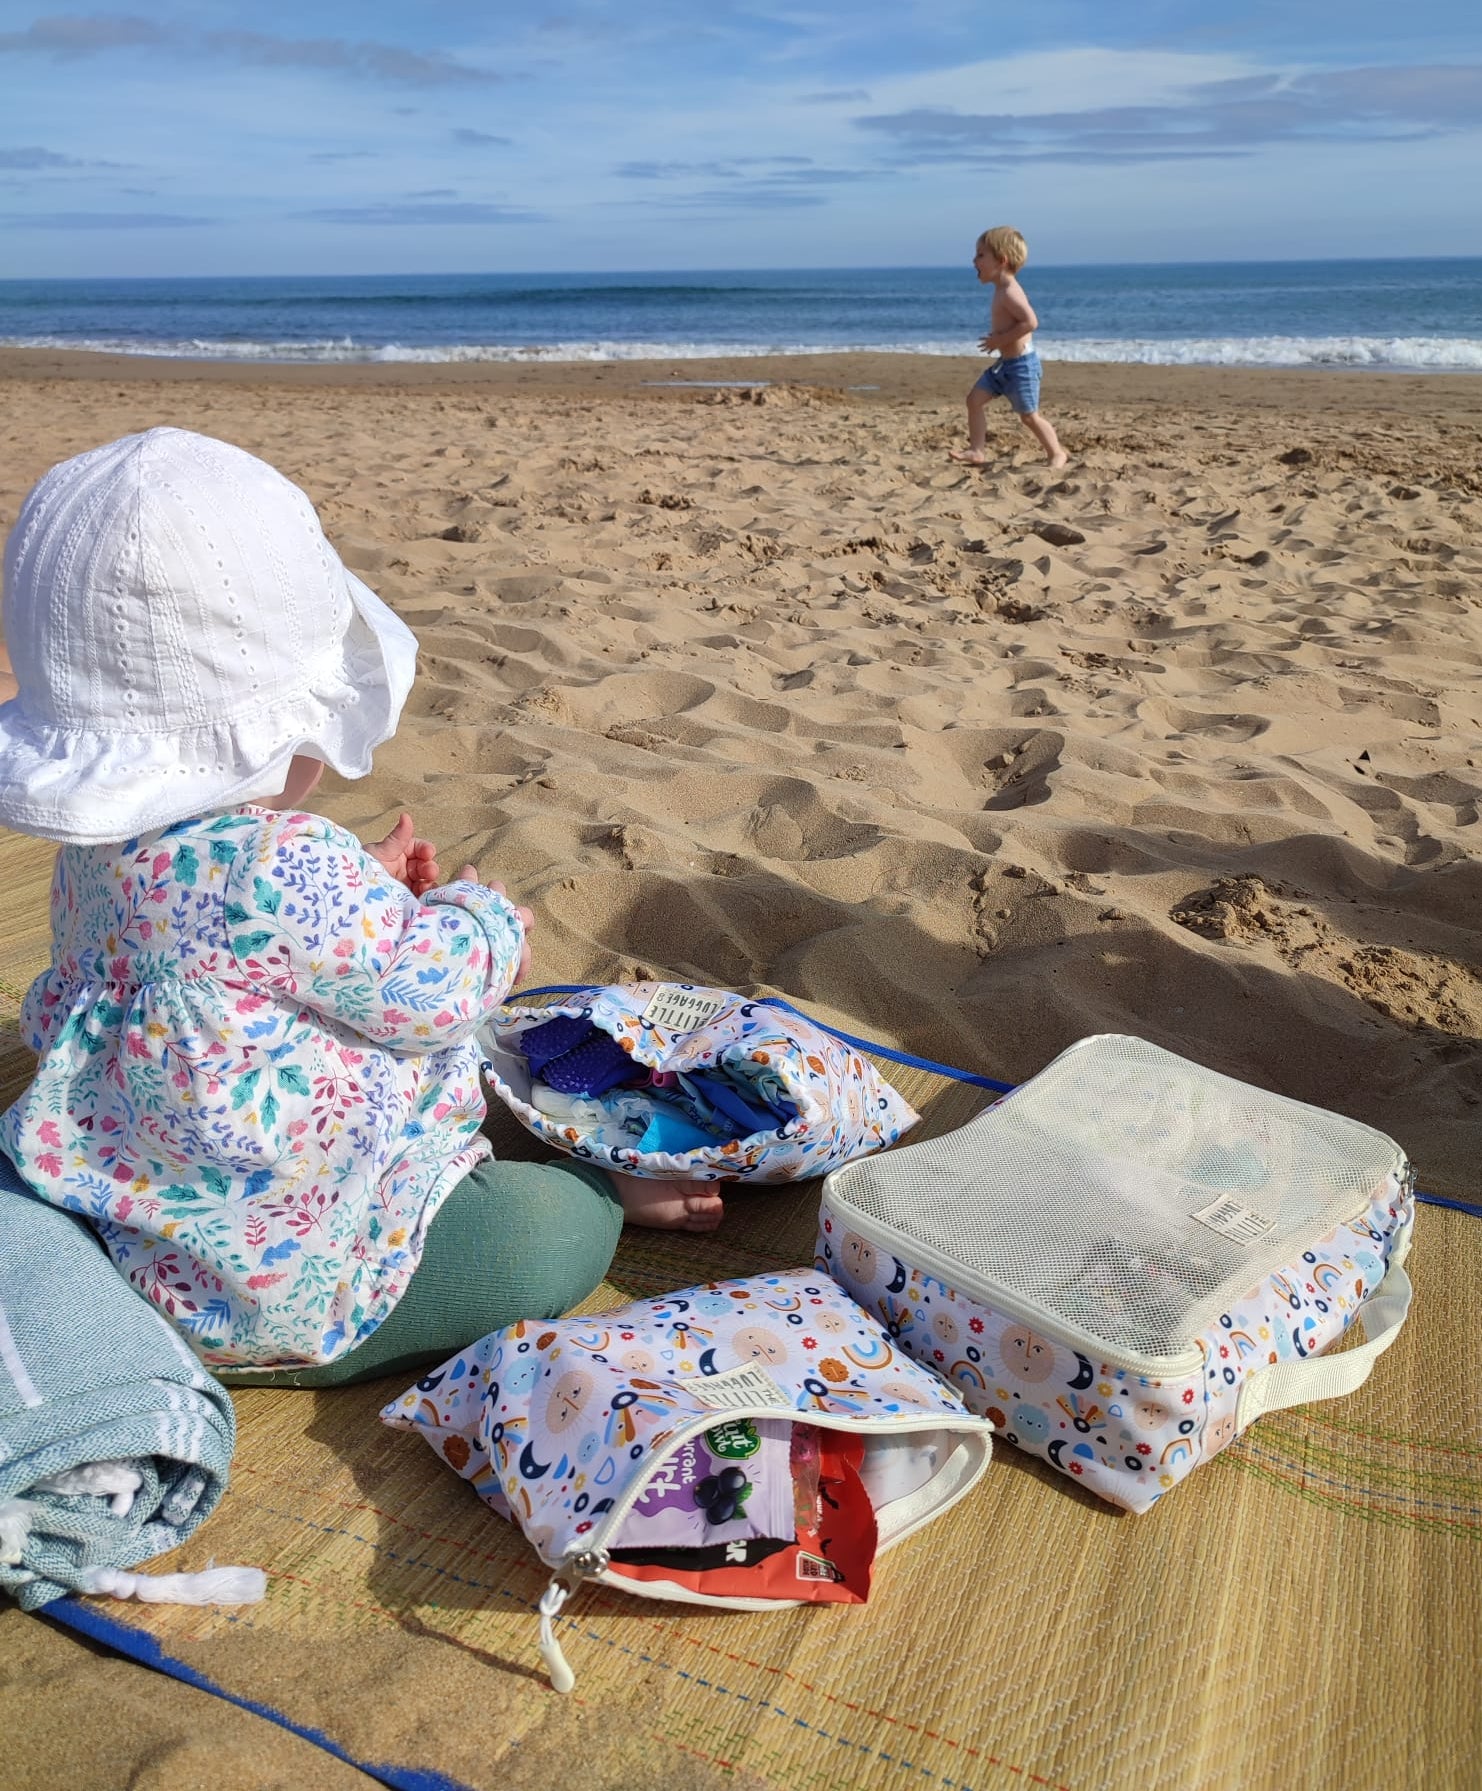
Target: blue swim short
x=1017, y=380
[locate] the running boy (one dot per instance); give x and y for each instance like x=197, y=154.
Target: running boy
x=1016, y=373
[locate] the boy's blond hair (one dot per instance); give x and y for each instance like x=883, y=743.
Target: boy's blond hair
x=1007, y=244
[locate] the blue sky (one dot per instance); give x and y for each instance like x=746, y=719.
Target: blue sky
x=328, y=137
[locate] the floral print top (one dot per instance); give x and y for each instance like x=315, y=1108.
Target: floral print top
x=258, y=1078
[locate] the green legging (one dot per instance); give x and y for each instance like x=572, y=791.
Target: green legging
x=513, y=1240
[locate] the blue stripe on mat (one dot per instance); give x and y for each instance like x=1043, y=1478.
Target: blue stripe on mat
x=138, y=1645
x=1457, y=1206
x=918, y=1063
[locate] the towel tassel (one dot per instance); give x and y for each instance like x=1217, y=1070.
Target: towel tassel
x=215, y=1585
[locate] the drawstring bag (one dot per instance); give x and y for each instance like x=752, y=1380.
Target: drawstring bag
x=748, y=1444
x=669, y=1079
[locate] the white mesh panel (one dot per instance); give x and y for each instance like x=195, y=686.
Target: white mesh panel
x=1078, y=1193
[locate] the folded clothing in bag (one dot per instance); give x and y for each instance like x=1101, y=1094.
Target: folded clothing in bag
x=744, y=1443
x=1129, y=1258
x=114, y=1441
x=669, y=1079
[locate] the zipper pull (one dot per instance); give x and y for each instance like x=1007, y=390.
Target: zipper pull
x=572, y=1572
x=554, y=1596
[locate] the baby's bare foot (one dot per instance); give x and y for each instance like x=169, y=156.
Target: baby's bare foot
x=968, y=456
x=669, y=1205
x=1059, y=460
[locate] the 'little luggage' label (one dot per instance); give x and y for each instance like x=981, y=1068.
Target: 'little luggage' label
x=1241, y=1224
x=682, y=1010
x=737, y=1388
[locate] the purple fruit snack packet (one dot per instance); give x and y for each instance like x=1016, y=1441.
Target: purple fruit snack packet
x=733, y=1482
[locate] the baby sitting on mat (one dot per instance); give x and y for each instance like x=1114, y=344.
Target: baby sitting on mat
x=258, y=1076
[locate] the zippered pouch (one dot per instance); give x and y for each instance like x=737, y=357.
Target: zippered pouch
x=747, y=1444
x=672, y=1079
x=1128, y=1259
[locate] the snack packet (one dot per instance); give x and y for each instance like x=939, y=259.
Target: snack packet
x=732, y=1484
x=806, y=1487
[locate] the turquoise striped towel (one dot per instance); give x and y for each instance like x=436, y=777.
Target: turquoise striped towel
x=114, y=1440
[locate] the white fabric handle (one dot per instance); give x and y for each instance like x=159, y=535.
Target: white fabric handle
x=1326, y=1377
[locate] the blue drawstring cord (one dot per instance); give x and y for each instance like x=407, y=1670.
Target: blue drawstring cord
x=917, y=1063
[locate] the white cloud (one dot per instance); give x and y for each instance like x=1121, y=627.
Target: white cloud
x=1066, y=80
x=713, y=152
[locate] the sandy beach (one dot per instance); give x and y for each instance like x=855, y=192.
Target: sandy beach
x=746, y=684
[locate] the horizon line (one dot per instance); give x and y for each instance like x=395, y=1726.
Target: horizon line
x=652, y=272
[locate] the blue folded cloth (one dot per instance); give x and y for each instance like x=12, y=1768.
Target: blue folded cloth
x=723, y=1096
x=553, y=1039
x=570, y=1055
x=672, y=1132
x=574, y=1057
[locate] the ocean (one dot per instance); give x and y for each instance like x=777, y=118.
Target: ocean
x=1420, y=316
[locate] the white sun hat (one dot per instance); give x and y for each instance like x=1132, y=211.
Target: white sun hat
x=179, y=628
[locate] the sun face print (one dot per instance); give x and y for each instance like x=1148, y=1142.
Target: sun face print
x=568, y=1399
x=752, y=1343
x=1220, y=1433
x=1027, y=1357
x=944, y=1326
x=904, y=1393
x=1150, y=1414
x=860, y=1258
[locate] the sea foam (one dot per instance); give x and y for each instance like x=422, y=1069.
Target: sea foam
x=1424, y=354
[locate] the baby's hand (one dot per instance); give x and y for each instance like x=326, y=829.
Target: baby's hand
x=410, y=860
x=469, y=874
